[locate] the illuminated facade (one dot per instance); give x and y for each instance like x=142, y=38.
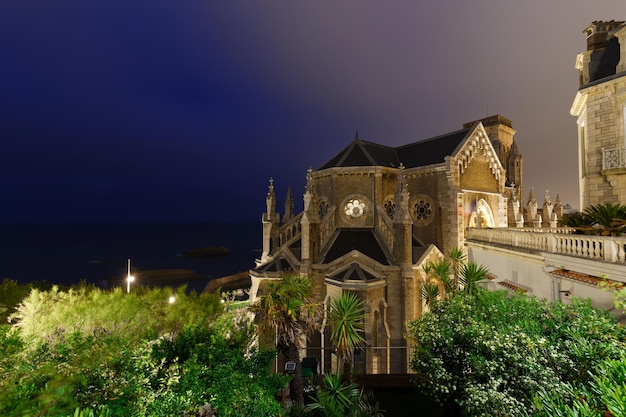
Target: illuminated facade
x=374, y=215
x=600, y=108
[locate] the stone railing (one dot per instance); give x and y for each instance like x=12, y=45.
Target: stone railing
x=290, y=229
x=614, y=158
x=560, y=241
x=327, y=226
x=384, y=226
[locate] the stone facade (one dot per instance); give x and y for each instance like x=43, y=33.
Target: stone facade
x=600, y=108
x=375, y=215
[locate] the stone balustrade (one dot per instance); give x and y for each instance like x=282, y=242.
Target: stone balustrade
x=327, y=226
x=290, y=229
x=560, y=241
x=384, y=226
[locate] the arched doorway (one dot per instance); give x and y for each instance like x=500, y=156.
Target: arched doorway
x=482, y=216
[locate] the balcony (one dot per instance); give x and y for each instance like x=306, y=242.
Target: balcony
x=614, y=159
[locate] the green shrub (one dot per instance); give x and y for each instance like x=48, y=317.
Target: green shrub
x=491, y=352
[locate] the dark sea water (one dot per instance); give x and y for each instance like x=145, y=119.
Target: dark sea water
x=69, y=253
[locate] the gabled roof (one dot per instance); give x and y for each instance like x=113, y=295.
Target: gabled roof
x=278, y=264
x=430, y=151
x=362, y=240
x=422, y=153
x=354, y=272
x=363, y=153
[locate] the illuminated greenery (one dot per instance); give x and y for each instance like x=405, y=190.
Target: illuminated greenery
x=489, y=353
x=290, y=311
x=89, y=352
x=345, y=319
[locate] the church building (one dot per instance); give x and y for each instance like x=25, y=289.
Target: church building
x=374, y=215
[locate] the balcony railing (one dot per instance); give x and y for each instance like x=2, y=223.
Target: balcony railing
x=613, y=158
x=601, y=248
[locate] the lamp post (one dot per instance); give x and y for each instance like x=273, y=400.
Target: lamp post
x=129, y=278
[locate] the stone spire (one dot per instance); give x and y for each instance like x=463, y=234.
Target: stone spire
x=270, y=222
x=547, y=209
x=270, y=200
x=402, y=222
x=288, y=206
x=402, y=193
x=558, y=207
x=532, y=217
x=309, y=223
x=514, y=214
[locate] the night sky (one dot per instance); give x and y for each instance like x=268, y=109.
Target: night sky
x=180, y=111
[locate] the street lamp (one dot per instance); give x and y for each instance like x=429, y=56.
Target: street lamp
x=129, y=278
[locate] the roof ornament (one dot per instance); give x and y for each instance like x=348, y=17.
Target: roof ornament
x=270, y=200
x=356, y=135
x=309, y=181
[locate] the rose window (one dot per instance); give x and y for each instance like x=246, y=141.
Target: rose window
x=422, y=210
x=323, y=209
x=355, y=208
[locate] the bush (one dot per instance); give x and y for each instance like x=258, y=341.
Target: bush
x=489, y=353
x=106, y=353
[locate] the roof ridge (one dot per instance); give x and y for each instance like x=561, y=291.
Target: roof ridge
x=456, y=132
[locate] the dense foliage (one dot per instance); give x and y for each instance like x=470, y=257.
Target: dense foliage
x=489, y=353
x=11, y=293
x=90, y=352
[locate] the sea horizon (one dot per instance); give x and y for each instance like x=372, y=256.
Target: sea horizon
x=68, y=253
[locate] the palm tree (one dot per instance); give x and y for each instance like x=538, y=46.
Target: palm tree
x=346, y=321
x=289, y=310
x=458, y=258
x=471, y=274
x=577, y=221
x=611, y=218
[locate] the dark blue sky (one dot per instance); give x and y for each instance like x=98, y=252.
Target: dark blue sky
x=174, y=111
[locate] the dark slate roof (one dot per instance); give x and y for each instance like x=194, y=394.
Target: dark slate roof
x=279, y=264
x=426, y=152
x=362, y=240
x=431, y=151
x=353, y=273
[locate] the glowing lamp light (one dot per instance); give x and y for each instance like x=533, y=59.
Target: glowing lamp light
x=171, y=300
x=129, y=278
x=128, y=281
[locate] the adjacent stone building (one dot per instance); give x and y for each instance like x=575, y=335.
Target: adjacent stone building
x=374, y=215
x=600, y=106
x=555, y=263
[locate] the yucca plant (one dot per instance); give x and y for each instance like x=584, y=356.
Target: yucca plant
x=430, y=293
x=471, y=274
x=457, y=258
x=345, y=319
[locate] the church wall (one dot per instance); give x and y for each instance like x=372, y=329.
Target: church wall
x=424, y=203
x=478, y=176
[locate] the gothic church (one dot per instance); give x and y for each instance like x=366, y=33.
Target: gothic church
x=374, y=215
